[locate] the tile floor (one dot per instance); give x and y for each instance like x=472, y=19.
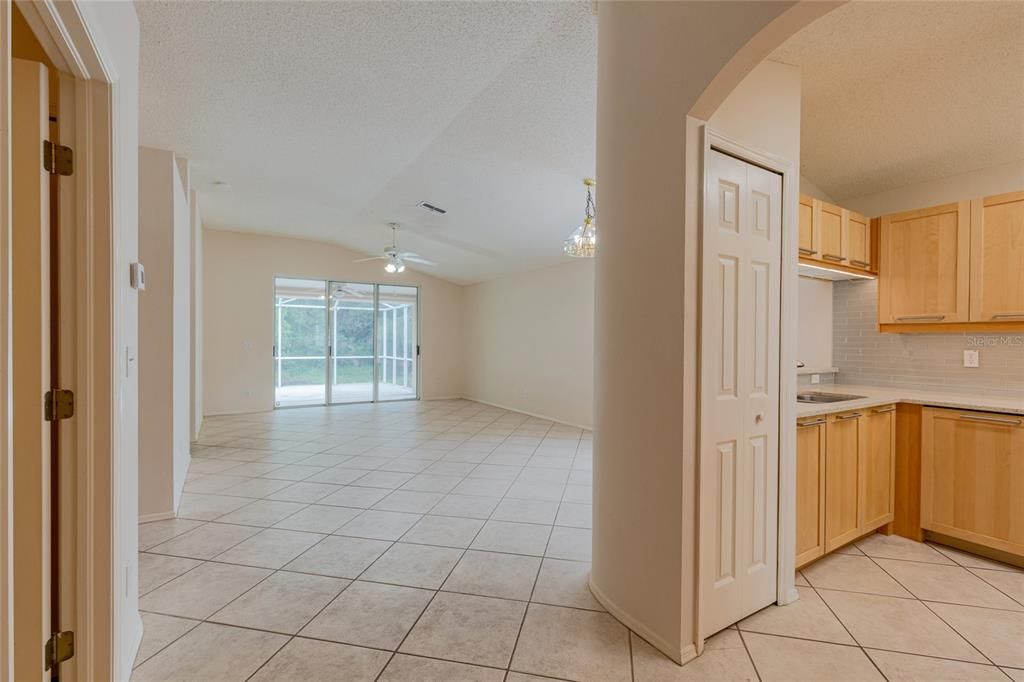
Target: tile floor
x=451, y=541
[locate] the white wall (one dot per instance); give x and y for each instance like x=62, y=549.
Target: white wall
x=164, y=317
x=238, y=315
x=996, y=180
x=812, y=190
x=196, y=341
x=814, y=338
x=530, y=342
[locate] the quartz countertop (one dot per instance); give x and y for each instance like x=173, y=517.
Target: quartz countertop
x=883, y=395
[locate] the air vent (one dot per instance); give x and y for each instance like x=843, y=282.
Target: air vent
x=431, y=207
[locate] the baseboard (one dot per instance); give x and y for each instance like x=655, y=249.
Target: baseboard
x=441, y=397
x=529, y=414
x=158, y=516
x=680, y=655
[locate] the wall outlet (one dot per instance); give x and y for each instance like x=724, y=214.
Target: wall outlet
x=815, y=378
x=971, y=358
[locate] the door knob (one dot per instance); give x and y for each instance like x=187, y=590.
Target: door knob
x=759, y=417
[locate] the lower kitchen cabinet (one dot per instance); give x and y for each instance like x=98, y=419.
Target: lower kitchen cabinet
x=810, y=489
x=878, y=472
x=844, y=449
x=972, y=477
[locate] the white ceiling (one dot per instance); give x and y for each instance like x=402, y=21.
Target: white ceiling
x=896, y=93
x=330, y=119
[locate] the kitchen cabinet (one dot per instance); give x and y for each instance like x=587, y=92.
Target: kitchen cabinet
x=997, y=255
x=858, y=241
x=972, y=477
x=835, y=237
x=844, y=446
x=808, y=239
x=810, y=489
x=830, y=225
x=877, y=482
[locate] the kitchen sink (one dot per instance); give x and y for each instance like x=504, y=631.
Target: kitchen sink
x=819, y=397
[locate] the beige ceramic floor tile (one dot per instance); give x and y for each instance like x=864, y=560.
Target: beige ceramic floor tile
x=908, y=668
x=897, y=547
x=523, y=677
x=1015, y=674
x=953, y=584
x=379, y=525
x=565, y=583
x=156, y=569
x=807, y=618
x=724, y=659
x=997, y=634
x=214, y=483
x=354, y=496
x=370, y=614
x=1008, y=582
x=468, y=629
x=284, y=602
x=319, y=518
x=444, y=531
x=575, y=515
x=409, y=501
x=158, y=631
x=800, y=580
x=508, y=576
x=270, y=548
x=211, y=652
x=304, y=491
x=569, y=543
x=467, y=506
x=151, y=534
x=897, y=625
x=975, y=561
x=338, y=556
x=262, y=513
x=526, y=511
x=207, y=541
x=202, y=591
x=256, y=487
x=404, y=668
x=783, y=658
x=573, y=644
x=414, y=565
x=514, y=538
x=208, y=507
x=313, y=661
x=852, y=573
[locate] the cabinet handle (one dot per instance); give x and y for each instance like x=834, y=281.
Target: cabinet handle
x=888, y=409
x=936, y=318
x=831, y=256
x=814, y=423
x=993, y=420
x=1006, y=316
x=849, y=416
x=862, y=263
x=807, y=252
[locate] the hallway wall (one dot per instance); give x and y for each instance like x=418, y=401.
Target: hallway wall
x=238, y=315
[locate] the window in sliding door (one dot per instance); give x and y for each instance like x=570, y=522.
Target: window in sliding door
x=397, y=339
x=351, y=379
x=300, y=342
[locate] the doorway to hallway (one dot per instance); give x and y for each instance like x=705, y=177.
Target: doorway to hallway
x=344, y=342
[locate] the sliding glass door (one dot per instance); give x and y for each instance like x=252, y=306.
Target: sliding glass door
x=344, y=342
x=300, y=342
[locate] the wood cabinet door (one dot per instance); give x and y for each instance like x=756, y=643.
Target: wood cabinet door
x=972, y=477
x=858, y=241
x=997, y=258
x=878, y=468
x=843, y=438
x=808, y=232
x=923, y=273
x=810, y=489
x=830, y=227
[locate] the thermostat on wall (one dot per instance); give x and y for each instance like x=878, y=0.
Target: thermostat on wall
x=137, y=276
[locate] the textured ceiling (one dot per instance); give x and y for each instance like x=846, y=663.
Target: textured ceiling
x=896, y=93
x=329, y=119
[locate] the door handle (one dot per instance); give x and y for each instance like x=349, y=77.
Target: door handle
x=921, y=318
x=993, y=420
x=1006, y=316
x=888, y=409
x=818, y=422
x=759, y=417
x=831, y=256
x=849, y=416
x=861, y=263
x=807, y=252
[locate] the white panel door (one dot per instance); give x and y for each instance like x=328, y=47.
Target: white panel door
x=739, y=440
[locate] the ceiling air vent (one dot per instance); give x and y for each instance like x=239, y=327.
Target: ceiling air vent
x=431, y=207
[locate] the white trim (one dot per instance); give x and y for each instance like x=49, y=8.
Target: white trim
x=529, y=414
x=157, y=516
x=786, y=557
x=679, y=654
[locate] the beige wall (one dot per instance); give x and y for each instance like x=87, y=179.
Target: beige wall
x=196, y=340
x=530, y=342
x=164, y=334
x=238, y=315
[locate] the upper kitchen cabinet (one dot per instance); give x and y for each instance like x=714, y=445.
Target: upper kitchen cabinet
x=835, y=237
x=923, y=273
x=997, y=258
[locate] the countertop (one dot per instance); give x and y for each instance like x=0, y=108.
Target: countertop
x=883, y=395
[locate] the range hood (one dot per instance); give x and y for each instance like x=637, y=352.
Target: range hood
x=822, y=272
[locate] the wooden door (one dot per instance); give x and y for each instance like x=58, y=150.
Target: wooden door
x=30, y=313
x=923, y=273
x=878, y=468
x=843, y=445
x=741, y=284
x=972, y=477
x=830, y=226
x=858, y=241
x=997, y=258
x=808, y=234
x=810, y=489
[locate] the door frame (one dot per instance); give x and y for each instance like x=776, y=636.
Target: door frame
x=786, y=524
x=93, y=218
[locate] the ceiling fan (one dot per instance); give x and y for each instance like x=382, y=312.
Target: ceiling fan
x=395, y=258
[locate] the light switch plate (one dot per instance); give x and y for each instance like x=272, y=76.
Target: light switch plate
x=815, y=378
x=971, y=358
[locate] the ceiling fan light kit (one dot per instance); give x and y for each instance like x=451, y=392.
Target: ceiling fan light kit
x=582, y=243
x=395, y=258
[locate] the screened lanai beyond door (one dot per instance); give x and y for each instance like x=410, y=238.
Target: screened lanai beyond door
x=344, y=342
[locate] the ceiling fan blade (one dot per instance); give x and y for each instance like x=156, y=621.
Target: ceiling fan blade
x=363, y=260
x=417, y=259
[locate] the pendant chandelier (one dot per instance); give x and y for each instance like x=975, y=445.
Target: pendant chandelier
x=582, y=243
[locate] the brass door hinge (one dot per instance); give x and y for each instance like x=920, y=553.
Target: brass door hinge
x=59, y=404
x=59, y=648
x=58, y=159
